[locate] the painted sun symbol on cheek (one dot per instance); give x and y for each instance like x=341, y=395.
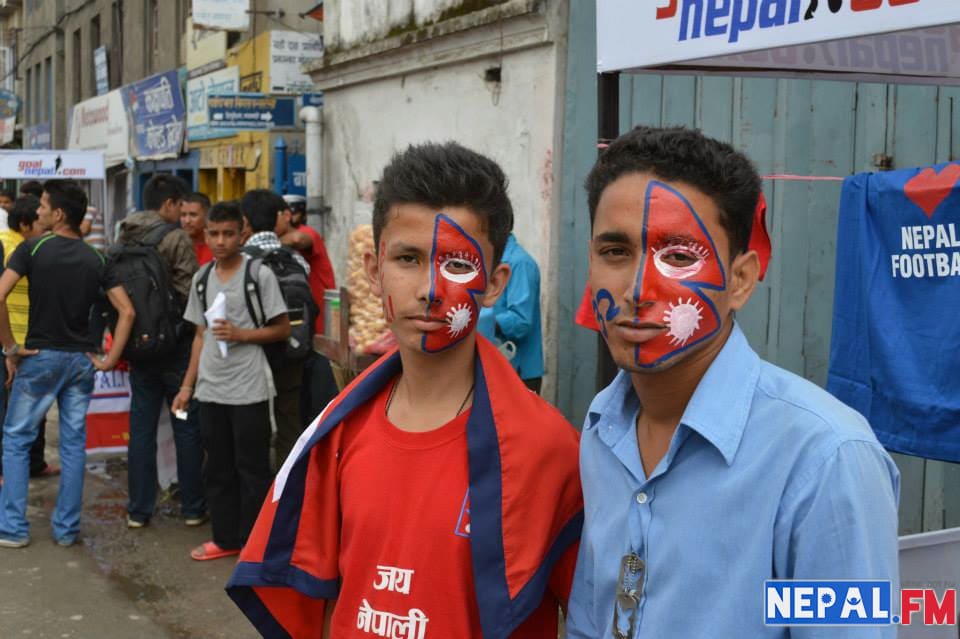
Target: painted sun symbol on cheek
x=458, y=319
x=683, y=320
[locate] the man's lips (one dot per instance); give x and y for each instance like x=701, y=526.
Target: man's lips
x=639, y=332
x=427, y=323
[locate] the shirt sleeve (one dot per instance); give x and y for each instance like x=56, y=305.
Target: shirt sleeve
x=20, y=260
x=270, y=295
x=580, y=621
x=177, y=249
x=517, y=318
x=194, y=312
x=839, y=521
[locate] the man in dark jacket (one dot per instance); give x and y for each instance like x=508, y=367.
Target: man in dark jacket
x=158, y=382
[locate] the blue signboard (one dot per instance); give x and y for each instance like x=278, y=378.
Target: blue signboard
x=297, y=174
x=38, y=137
x=251, y=111
x=312, y=99
x=157, y=116
x=9, y=104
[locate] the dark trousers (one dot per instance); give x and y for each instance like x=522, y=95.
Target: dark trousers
x=286, y=408
x=153, y=387
x=237, y=474
x=37, y=462
x=319, y=388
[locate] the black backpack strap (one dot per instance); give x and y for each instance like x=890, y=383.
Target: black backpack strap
x=251, y=289
x=156, y=233
x=202, y=282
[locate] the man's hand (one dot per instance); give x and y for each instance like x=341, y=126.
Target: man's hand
x=182, y=400
x=102, y=363
x=13, y=361
x=227, y=332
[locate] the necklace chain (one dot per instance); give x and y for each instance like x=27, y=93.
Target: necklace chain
x=393, y=391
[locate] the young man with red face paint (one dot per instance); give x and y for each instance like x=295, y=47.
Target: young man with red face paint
x=436, y=496
x=705, y=470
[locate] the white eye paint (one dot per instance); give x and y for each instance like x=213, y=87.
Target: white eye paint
x=465, y=265
x=692, y=250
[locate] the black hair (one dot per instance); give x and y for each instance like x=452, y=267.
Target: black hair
x=8, y=193
x=162, y=187
x=439, y=175
x=32, y=187
x=679, y=154
x=198, y=198
x=24, y=211
x=261, y=207
x=227, y=211
x=68, y=196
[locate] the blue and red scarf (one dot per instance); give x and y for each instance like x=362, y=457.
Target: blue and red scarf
x=526, y=507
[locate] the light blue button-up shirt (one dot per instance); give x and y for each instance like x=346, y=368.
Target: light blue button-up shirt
x=766, y=477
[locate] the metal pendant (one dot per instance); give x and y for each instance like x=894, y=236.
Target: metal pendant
x=629, y=591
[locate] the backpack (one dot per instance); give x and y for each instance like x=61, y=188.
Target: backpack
x=302, y=309
x=145, y=277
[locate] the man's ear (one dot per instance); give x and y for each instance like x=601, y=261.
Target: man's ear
x=744, y=275
x=496, y=284
x=371, y=266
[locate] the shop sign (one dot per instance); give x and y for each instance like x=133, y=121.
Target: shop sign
x=251, y=111
x=198, y=89
x=156, y=109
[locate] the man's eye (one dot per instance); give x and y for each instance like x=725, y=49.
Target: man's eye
x=407, y=259
x=458, y=267
x=679, y=258
x=613, y=251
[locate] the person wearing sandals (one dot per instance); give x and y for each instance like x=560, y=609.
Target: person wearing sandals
x=230, y=374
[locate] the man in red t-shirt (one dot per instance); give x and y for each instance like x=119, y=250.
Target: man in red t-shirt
x=436, y=496
x=193, y=220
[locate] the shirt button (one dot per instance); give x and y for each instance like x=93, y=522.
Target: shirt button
x=641, y=498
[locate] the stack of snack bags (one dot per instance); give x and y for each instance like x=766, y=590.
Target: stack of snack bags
x=368, y=328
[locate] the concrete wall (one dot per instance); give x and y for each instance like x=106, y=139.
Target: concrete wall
x=435, y=90
x=360, y=21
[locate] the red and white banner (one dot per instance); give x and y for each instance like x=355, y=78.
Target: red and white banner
x=108, y=418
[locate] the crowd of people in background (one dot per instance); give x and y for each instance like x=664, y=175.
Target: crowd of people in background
x=238, y=375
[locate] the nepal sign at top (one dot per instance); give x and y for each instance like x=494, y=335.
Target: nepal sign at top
x=677, y=31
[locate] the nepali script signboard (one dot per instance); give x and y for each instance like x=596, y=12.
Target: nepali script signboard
x=251, y=111
x=229, y=15
x=677, y=31
x=224, y=81
x=157, y=116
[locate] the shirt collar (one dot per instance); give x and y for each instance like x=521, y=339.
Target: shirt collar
x=717, y=411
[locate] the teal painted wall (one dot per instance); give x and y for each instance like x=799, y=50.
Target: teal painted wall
x=813, y=128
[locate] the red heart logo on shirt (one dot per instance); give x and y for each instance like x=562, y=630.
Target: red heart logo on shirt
x=928, y=189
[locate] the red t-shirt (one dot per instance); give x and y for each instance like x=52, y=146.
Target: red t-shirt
x=405, y=558
x=203, y=252
x=321, y=271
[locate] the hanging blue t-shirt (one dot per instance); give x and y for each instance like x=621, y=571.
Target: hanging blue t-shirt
x=895, y=351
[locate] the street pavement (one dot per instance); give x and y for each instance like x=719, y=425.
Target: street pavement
x=114, y=583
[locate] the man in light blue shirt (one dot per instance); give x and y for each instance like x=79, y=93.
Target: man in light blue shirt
x=705, y=470
x=513, y=322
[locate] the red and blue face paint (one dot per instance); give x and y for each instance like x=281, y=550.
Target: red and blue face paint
x=458, y=276
x=679, y=260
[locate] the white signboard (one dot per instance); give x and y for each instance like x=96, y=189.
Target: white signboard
x=100, y=124
x=931, y=53
x=101, y=70
x=634, y=34
x=51, y=165
x=289, y=51
x=229, y=15
x=198, y=119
